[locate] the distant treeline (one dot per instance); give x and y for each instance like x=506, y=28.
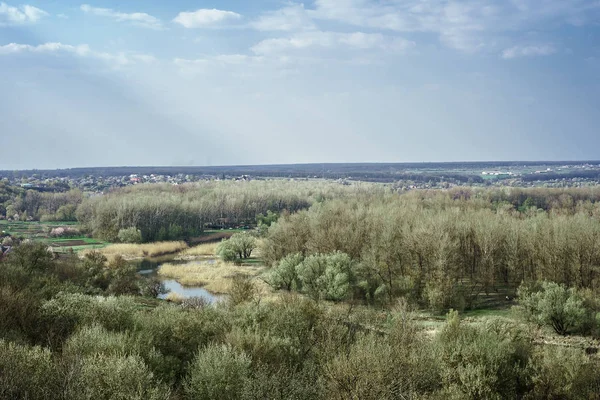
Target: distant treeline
x=26, y=204
x=165, y=211
x=364, y=171
x=550, y=176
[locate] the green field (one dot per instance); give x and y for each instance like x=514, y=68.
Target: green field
x=39, y=231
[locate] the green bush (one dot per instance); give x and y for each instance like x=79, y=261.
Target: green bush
x=130, y=235
x=326, y=276
x=480, y=363
x=178, y=332
x=241, y=290
x=27, y=373
x=114, y=377
x=554, y=305
x=218, y=372
x=284, y=275
x=563, y=373
x=66, y=312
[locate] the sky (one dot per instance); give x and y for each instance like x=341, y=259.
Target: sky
x=180, y=82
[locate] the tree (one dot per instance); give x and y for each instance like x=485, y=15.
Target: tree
x=554, y=305
x=284, y=275
x=239, y=247
x=130, y=235
x=326, y=276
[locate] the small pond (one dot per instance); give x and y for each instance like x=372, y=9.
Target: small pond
x=151, y=266
x=186, y=292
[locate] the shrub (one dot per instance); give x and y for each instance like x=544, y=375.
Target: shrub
x=218, y=372
x=554, y=305
x=114, y=377
x=480, y=363
x=284, y=275
x=241, y=290
x=178, y=332
x=563, y=373
x=27, y=373
x=66, y=312
x=326, y=276
x=130, y=235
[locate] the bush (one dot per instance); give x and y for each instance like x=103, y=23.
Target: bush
x=27, y=373
x=284, y=275
x=482, y=363
x=326, y=276
x=218, y=372
x=554, y=305
x=241, y=290
x=66, y=312
x=130, y=235
x=114, y=377
x=177, y=333
x=563, y=373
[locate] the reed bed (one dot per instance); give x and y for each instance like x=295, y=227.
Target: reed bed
x=133, y=251
x=215, y=278
x=200, y=251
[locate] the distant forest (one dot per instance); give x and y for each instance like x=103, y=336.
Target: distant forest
x=453, y=172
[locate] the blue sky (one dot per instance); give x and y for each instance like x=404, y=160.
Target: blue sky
x=255, y=82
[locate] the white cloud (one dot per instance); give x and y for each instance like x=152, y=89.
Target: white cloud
x=113, y=59
x=331, y=40
x=205, y=18
x=10, y=15
x=528, y=51
x=466, y=25
x=137, y=18
x=291, y=18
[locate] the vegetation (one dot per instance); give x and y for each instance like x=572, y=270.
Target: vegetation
x=351, y=266
x=131, y=251
x=214, y=277
x=440, y=249
x=238, y=248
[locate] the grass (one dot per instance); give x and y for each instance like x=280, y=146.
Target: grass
x=133, y=251
x=215, y=278
x=203, y=250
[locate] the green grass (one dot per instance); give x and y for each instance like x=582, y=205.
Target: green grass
x=486, y=312
x=213, y=231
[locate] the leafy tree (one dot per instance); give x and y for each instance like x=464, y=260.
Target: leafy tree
x=130, y=235
x=554, y=305
x=326, y=276
x=239, y=247
x=284, y=275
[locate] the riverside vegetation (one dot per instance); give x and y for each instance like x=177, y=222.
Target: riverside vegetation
x=352, y=266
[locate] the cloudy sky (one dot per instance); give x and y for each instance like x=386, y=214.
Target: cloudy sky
x=254, y=82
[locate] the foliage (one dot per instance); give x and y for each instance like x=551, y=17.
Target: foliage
x=239, y=247
x=326, y=276
x=218, y=372
x=242, y=290
x=554, y=305
x=284, y=275
x=130, y=235
x=26, y=372
x=114, y=377
x=482, y=363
